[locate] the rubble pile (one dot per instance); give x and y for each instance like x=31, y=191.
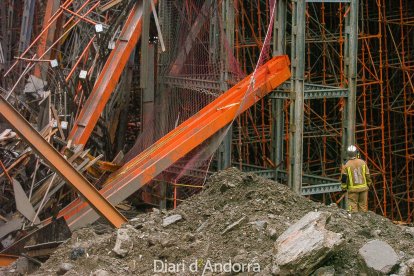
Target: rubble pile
x=244, y=223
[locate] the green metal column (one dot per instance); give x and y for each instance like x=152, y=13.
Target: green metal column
x=297, y=95
x=279, y=48
x=224, y=151
x=350, y=57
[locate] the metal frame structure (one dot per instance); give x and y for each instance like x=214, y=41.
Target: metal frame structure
x=61, y=165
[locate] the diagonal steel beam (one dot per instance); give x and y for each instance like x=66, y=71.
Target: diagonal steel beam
x=108, y=78
x=60, y=164
x=183, y=139
x=6, y=260
x=202, y=17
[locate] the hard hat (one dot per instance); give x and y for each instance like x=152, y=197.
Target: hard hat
x=352, y=152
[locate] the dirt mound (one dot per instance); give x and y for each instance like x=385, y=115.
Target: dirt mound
x=235, y=219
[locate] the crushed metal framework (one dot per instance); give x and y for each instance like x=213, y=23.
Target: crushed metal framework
x=78, y=70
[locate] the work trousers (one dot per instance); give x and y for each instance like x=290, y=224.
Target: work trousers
x=358, y=201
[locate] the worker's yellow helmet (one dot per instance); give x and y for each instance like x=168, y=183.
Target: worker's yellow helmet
x=352, y=152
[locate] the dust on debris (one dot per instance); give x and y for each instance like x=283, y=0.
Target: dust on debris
x=236, y=218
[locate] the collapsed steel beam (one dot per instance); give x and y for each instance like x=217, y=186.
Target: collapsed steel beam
x=108, y=78
x=60, y=164
x=180, y=141
x=6, y=260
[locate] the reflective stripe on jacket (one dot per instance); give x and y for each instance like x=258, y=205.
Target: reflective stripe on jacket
x=358, y=178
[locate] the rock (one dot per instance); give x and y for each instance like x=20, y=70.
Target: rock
x=325, y=271
x=22, y=266
x=272, y=233
x=156, y=211
x=305, y=244
x=64, y=267
x=225, y=186
x=404, y=270
x=378, y=257
x=190, y=237
x=123, y=243
x=233, y=225
x=410, y=231
x=260, y=225
x=171, y=219
x=167, y=243
x=202, y=227
x=99, y=272
x=275, y=270
x=77, y=253
x=375, y=233
x=410, y=265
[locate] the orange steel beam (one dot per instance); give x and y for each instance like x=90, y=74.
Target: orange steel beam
x=60, y=164
x=180, y=141
x=47, y=37
x=6, y=260
x=108, y=78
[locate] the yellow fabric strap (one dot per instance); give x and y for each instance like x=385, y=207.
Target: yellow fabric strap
x=363, y=174
x=351, y=182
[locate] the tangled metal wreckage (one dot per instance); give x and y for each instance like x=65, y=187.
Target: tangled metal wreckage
x=123, y=97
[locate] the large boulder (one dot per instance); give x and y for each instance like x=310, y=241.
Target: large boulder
x=378, y=257
x=306, y=244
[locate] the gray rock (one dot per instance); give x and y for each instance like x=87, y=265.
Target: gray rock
x=325, y=271
x=233, y=225
x=410, y=231
x=272, y=233
x=404, y=270
x=99, y=272
x=375, y=233
x=305, y=244
x=22, y=266
x=202, y=227
x=410, y=265
x=123, y=243
x=64, y=267
x=275, y=270
x=378, y=257
x=260, y=225
x=171, y=219
x=156, y=211
x=76, y=253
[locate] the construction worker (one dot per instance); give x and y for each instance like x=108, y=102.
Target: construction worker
x=356, y=180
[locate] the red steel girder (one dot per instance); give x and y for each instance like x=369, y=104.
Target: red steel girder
x=60, y=164
x=109, y=77
x=180, y=141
